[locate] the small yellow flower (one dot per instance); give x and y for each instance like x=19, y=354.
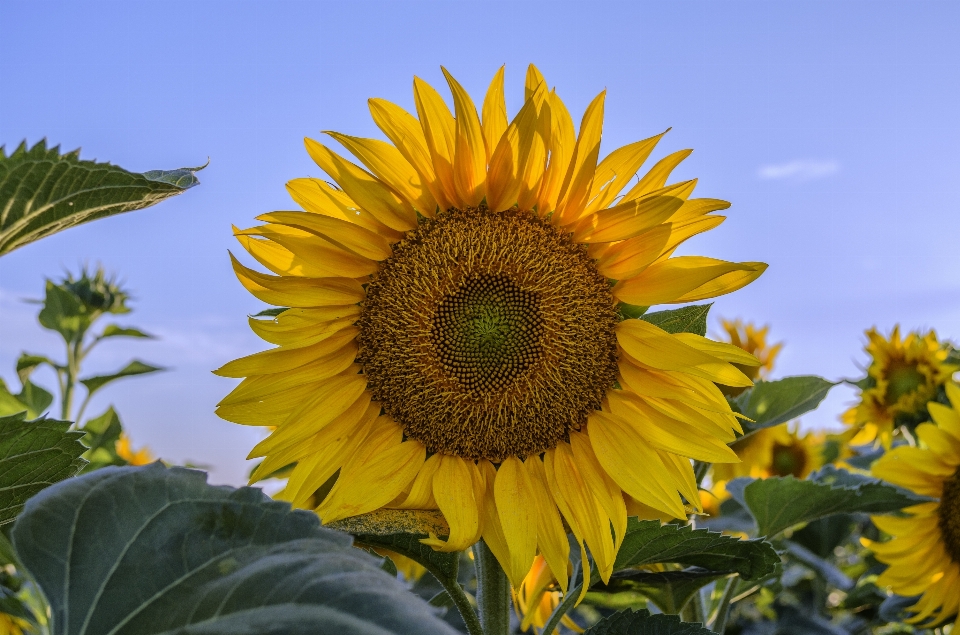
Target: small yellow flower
x=924, y=554
x=904, y=374
x=125, y=451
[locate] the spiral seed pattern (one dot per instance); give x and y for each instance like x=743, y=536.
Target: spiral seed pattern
x=949, y=511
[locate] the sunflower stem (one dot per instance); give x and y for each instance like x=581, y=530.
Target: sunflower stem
x=723, y=610
x=493, y=592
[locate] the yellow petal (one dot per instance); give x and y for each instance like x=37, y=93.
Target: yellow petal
x=278, y=360
x=323, y=455
x=352, y=238
x=532, y=81
x=675, y=279
x=267, y=411
x=697, y=207
x=470, y=159
x=683, y=231
x=319, y=197
x=560, y=143
x=490, y=518
x=297, y=336
x=298, y=292
x=307, y=255
x=509, y=169
x=260, y=386
x=366, y=190
x=379, y=469
x=616, y=170
x=405, y=132
x=440, y=134
x=720, y=350
x=577, y=184
x=683, y=477
x=453, y=490
x=634, y=217
x=635, y=466
x=420, y=495
x=494, y=114
x=631, y=257
x=341, y=395
x=551, y=537
x=946, y=418
x=604, y=488
x=390, y=166
x=657, y=177
x=586, y=513
x=517, y=509
x=726, y=283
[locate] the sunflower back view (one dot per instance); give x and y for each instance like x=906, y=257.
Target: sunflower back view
x=452, y=331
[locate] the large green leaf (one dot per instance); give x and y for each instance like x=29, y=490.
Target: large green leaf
x=153, y=550
x=770, y=403
x=33, y=456
x=135, y=367
x=689, y=319
x=43, y=191
x=779, y=503
x=649, y=542
x=629, y=622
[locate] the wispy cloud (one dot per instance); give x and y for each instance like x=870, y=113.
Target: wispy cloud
x=800, y=170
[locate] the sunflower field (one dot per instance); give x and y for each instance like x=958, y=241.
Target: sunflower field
x=491, y=394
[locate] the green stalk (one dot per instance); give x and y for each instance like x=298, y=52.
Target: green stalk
x=723, y=611
x=493, y=592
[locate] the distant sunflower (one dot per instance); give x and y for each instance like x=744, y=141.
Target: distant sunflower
x=904, y=374
x=753, y=340
x=924, y=554
x=125, y=451
x=453, y=340
x=776, y=451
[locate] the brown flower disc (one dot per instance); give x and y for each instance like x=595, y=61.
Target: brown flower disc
x=488, y=334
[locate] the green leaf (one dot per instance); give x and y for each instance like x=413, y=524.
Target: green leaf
x=770, y=403
x=113, y=330
x=28, y=363
x=400, y=531
x=33, y=456
x=135, y=367
x=779, y=503
x=629, y=622
x=43, y=192
x=102, y=434
x=649, y=542
x=274, y=312
x=689, y=319
x=156, y=551
x=669, y=590
x=630, y=311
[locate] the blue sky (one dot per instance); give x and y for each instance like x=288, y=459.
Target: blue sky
x=832, y=127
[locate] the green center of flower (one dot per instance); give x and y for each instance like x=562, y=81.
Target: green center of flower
x=903, y=379
x=488, y=331
x=488, y=335
x=788, y=460
x=949, y=512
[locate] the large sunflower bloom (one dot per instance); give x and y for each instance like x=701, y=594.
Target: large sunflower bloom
x=453, y=340
x=924, y=555
x=904, y=374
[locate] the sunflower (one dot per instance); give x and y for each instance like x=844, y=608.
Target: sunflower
x=777, y=451
x=452, y=337
x=904, y=374
x=924, y=554
x=753, y=340
x=125, y=451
